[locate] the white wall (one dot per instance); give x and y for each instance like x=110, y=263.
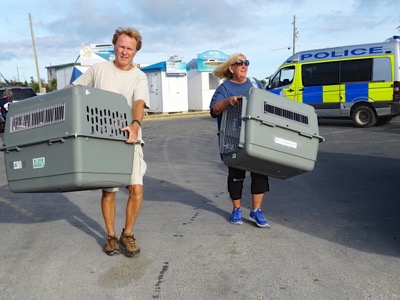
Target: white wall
x=194, y=90
x=167, y=93
x=200, y=92
x=174, y=93
x=63, y=77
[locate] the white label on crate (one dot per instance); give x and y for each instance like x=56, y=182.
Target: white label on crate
x=286, y=143
x=38, y=163
x=17, y=165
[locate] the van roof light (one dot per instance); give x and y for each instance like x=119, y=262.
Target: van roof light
x=395, y=37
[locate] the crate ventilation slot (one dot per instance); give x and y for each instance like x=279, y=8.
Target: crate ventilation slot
x=38, y=118
x=284, y=113
x=107, y=122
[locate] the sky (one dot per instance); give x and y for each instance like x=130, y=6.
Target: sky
x=260, y=29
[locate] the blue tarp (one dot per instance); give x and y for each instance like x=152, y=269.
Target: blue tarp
x=161, y=66
x=75, y=74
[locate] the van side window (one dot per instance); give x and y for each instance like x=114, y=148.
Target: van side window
x=320, y=74
x=283, y=77
x=360, y=70
x=382, y=70
x=356, y=70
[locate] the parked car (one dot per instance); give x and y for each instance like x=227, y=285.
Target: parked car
x=19, y=93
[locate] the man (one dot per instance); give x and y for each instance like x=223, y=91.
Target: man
x=123, y=76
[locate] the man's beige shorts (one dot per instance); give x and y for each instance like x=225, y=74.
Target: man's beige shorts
x=139, y=168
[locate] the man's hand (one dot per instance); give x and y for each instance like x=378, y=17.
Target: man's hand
x=133, y=130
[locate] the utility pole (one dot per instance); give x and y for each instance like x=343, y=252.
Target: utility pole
x=295, y=32
x=35, y=55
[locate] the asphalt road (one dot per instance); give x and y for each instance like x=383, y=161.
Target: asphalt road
x=335, y=231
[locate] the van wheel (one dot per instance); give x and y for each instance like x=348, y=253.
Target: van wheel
x=363, y=116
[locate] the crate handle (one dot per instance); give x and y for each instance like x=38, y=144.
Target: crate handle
x=257, y=119
x=306, y=135
x=268, y=124
x=13, y=149
x=310, y=136
x=58, y=140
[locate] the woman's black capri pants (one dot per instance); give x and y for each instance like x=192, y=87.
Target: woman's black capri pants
x=259, y=183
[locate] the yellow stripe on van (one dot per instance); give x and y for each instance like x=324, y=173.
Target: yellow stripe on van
x=380, y=91
x=330, y=94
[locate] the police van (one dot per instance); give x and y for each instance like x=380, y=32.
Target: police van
x=361, y=82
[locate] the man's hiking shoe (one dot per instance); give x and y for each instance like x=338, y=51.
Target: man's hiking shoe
x=112, y=246
x=258, y=218
x=236, y=217
x=129, y=243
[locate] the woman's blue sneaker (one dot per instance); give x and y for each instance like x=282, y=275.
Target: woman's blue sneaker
x=258, y=217
x=236, y=217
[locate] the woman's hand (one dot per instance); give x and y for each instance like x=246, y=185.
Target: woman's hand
x=220, y=106
x=234, y=100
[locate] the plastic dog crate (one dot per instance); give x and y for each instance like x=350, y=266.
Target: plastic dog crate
x=269, y=134
x=68, y=140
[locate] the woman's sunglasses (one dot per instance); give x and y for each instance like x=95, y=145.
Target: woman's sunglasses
x=242, y=62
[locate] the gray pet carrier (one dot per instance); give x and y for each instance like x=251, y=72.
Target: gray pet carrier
x=68, y=140
x=269, y=134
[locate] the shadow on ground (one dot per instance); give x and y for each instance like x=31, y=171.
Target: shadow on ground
x=29, y=208
x=347, y=199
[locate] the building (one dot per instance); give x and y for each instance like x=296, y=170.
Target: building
x=174, y=85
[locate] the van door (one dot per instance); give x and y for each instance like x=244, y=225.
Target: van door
x=283, y=83
x=319, y=87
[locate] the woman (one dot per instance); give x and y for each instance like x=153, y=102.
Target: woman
x=229, y=93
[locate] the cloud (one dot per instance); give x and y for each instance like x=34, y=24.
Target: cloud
x=6, y=55
x=261, y=29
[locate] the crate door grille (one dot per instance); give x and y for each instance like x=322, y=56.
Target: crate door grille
x=230, y=128
x=106, y=121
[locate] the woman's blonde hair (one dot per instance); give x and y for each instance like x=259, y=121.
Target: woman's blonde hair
x=222, y=71
x=7, y=93
x=131, y=32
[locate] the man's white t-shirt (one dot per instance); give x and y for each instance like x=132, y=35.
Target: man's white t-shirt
x=132, y=84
